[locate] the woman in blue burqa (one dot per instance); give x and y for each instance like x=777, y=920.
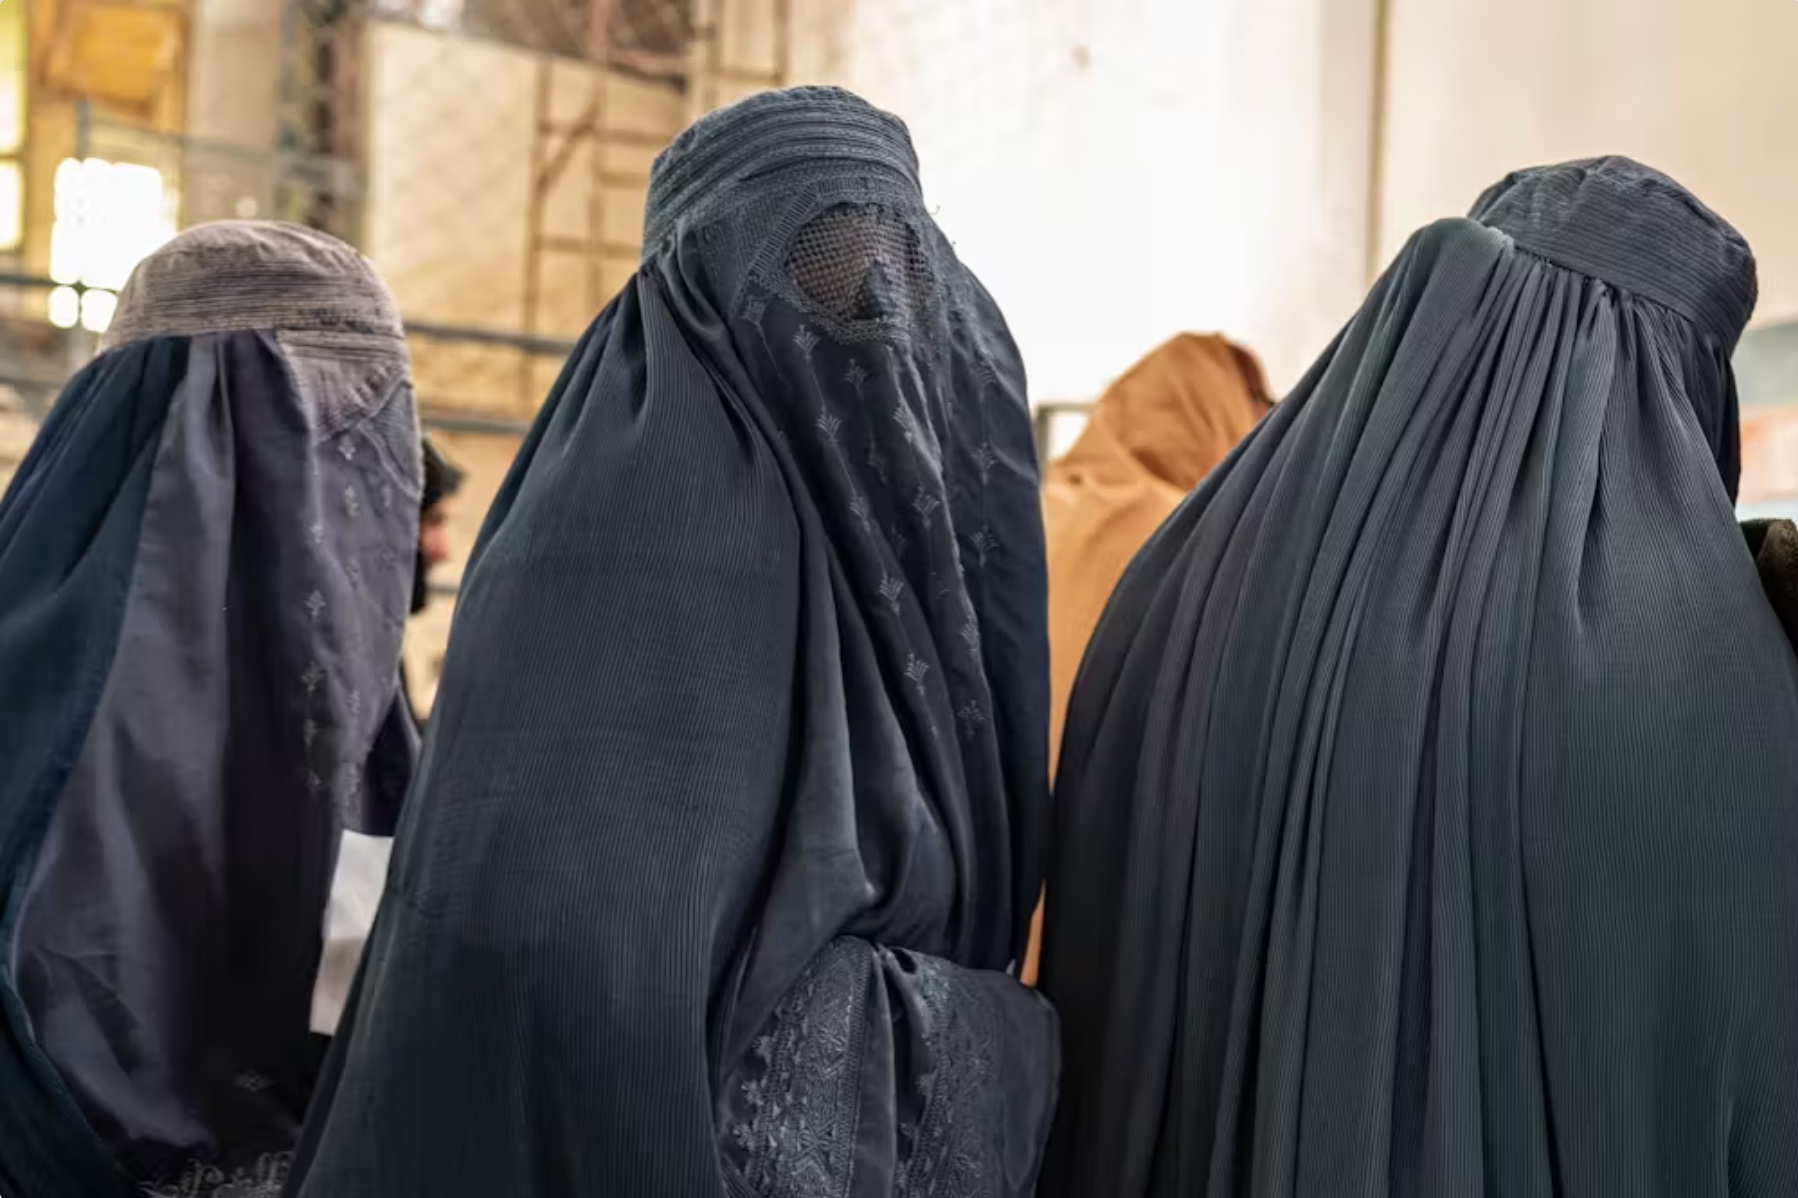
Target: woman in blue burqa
x=1429, y=797
x=205, y=565
x=725, y=841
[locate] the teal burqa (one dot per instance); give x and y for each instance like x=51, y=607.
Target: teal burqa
x=1429, y=801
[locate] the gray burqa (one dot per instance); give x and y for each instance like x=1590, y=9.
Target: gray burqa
x=1428, y=814
x=725, y=835
x=204, y=570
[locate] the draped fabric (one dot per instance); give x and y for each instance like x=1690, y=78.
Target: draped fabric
x=727, y=828
x=1152, y=437
x=1425, y=815
x=204, y=568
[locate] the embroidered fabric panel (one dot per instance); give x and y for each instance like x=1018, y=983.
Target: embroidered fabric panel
x=262, y=1179
x=354, y=619
x=894, y=389
x=948, y=1151
x=880, y=1073
x=797, y=1100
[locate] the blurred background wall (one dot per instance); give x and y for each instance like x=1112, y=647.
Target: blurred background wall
x=1116, y=170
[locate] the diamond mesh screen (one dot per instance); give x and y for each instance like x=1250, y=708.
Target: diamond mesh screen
x=861, y=262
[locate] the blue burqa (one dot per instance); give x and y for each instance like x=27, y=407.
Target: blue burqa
x=726, y=833
x=205, y=564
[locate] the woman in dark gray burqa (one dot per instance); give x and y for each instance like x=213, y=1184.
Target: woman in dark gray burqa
x=726, y=835
x=1429, y=804
x=204, y=569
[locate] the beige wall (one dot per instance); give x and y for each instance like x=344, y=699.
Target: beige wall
x=17, y=429
x=448, y=221
x=1120, y=173
x=450, y=123
x=1707, y=92
x=484, y=461
x=234, y=71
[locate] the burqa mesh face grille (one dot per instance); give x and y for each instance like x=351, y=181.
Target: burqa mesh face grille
x=861, y=262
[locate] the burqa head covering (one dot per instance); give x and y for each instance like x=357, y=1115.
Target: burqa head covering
x=728, y=823
x=204, y=568
x=1426, y=820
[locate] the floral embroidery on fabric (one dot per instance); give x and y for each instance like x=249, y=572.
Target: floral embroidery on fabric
x=907, y=426
x=945, y=1154
x=797, y=1128
x=263, y=1179
x=890, y=591
x=970, y=635
x=806, y=340
x=983, y=544
x=347, y=793
x=916, y=670
x=984, y=461
x=925, y=504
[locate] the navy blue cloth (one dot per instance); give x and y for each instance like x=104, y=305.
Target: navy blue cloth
x=64, y=582
x=726, y=834
x=204, y=569
x=1426, y=817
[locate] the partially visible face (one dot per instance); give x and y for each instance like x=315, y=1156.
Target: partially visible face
x=434, y=535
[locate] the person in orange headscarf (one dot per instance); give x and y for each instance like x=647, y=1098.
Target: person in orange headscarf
x=1152, y=437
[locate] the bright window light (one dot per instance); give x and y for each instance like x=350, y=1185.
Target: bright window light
x=97, y=308
x=109, y=217
x=65, y=307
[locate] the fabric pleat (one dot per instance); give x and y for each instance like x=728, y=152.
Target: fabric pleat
x=1150, y=439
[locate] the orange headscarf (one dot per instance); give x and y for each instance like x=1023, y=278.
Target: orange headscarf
x=1152, y=437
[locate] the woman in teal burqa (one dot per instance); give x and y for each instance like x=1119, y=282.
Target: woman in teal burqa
x=1429, y=796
